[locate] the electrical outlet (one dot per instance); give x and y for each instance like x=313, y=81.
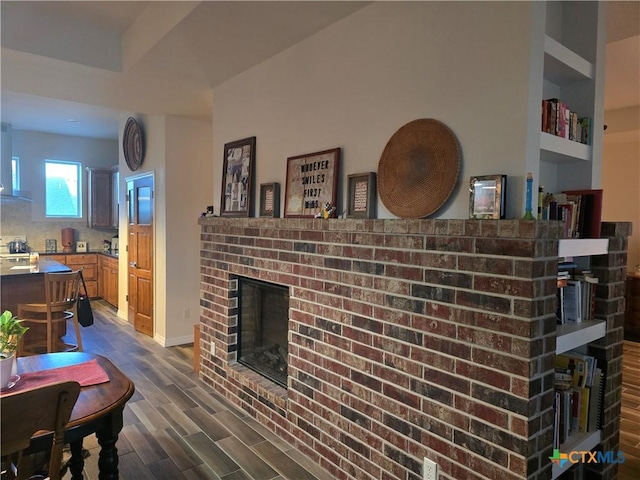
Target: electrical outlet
x=429, y=470
x=186, y=313
x=213, y=349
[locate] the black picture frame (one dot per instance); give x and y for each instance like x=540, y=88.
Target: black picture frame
x=361, y=188
x=487, y=197
x=312, y=182
x=237, y=178
x=270, y=200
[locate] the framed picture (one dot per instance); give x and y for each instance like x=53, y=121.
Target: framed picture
x=312, y=181
x=362, y=195
x=487, y=196
x=270, y=200
x=237, y=176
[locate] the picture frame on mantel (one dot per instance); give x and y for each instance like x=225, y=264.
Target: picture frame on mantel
x=487, y=196
x=270, y=200
x=311, y=183
x=362, y=195
x=237, y=178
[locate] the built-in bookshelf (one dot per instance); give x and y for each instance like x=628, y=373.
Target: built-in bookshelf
x=571, y=336
x=572, y=70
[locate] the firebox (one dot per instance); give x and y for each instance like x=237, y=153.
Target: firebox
x=263, y=318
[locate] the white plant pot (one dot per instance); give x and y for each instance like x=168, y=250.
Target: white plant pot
x=6, y=370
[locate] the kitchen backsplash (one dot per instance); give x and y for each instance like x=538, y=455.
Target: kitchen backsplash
x=15, y=219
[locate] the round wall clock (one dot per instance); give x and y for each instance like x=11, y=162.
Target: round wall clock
x=133, y=144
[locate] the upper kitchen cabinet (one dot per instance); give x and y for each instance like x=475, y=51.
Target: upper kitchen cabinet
x=102, y=205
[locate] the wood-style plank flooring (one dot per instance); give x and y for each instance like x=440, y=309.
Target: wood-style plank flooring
x=630, y=417
x=176, y=427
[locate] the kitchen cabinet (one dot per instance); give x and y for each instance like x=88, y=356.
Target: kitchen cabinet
x=101, y=198
x=89, y=264
x=108, y=279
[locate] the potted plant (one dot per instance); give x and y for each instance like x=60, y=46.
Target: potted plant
x=11, y=332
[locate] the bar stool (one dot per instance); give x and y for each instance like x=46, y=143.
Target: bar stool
x=61, y=296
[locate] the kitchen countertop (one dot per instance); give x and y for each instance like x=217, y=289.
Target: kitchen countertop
x=10, y=267
x=108, y=253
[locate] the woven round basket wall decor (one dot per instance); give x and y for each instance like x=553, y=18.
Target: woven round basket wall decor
x=418, y=168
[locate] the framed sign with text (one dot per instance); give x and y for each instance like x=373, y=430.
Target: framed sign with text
x=362, y=195
x=312, y=181
x=270, y=200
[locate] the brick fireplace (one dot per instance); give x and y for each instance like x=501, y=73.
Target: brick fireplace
x=406, y=339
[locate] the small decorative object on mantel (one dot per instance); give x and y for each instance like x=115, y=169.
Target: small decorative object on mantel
x=418, y=168
x=487, y=196
x=528, y=209
x=328, y=211
x=208, y=213
x=362, y=195
x=133, y=144
x=312, y=182
x=237, y=178
x=270, y=200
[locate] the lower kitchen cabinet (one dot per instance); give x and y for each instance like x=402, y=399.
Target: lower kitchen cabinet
x=108, y=279
x=89, y=264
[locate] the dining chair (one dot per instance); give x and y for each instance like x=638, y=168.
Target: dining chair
x=60, y=305
x=23, y=413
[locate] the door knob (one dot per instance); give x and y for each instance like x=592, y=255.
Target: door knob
x=133, y=264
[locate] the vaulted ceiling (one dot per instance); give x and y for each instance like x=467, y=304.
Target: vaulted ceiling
x=88, y=61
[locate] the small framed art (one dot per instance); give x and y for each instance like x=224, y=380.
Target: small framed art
x=487, y=195
x=362, y=195
x=312, y=182
x=237, y=177
x=270, y=200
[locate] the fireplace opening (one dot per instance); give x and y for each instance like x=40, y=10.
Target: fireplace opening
x=263, y=317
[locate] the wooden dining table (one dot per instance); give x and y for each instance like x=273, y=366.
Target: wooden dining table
x=99, y=409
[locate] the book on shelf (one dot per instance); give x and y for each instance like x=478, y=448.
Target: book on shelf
x=592, y=215
x=572, y=302
x=558, y=119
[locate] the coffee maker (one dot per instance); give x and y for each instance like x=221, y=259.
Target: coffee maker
x=114, y=244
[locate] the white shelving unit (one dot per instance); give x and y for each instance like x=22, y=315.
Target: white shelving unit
x=571, y=44
x=582, y=247
x=573, y=335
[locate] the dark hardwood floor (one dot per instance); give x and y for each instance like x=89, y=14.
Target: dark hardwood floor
x=630, y=418
x=176, y=427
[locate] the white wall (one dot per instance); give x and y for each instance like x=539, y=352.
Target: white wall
x=178, y=155
x=187, y=193
x=621, y=185
x=355, y=83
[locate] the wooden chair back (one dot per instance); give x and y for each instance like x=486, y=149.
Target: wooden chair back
x=61, y=290
x=26, y=412
x=61, y=296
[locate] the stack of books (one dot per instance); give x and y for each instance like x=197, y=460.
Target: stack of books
x=580, y=210
x=558, y=120
x=579, y=385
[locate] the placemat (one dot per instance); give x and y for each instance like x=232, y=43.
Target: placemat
x=86, y=374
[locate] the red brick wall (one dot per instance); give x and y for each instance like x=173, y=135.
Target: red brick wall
x=408, y=338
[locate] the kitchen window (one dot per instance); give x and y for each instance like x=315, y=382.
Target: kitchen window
x=15, y=173
x=63, y=189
